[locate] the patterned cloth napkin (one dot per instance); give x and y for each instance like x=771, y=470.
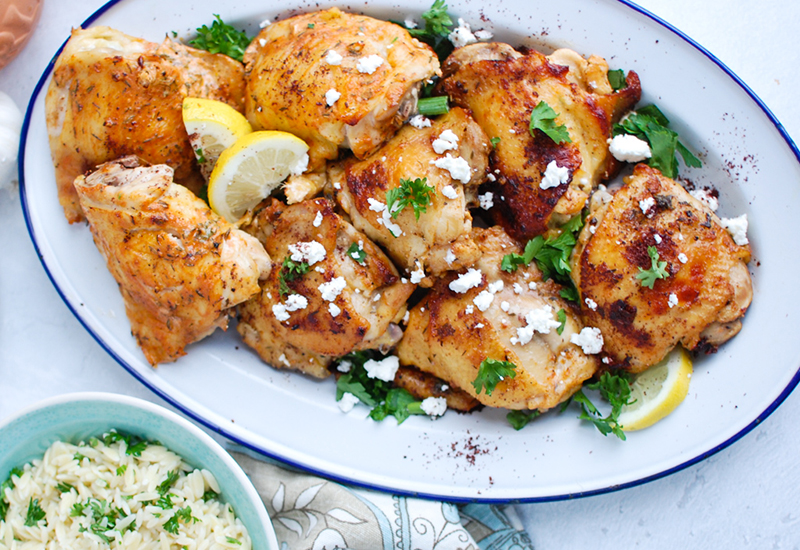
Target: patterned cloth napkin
x=312, y=513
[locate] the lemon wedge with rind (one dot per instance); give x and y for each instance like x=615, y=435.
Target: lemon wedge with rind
x=213, y=126
x=251, y=169
x=658, y=391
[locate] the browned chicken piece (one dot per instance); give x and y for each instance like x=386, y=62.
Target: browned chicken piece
x=335, y=79
x=347, y=297
x=179, y=266
x=539, y=183
x=423, y=385
x=704, y=295
x=114, y=95
x=440, y=239
x=507, y=317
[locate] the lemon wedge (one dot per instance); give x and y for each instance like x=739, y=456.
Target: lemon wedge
x=657, y=391
x=249, y=170
x=213, y=126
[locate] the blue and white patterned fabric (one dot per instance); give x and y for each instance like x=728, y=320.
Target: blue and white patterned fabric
x=311, y=513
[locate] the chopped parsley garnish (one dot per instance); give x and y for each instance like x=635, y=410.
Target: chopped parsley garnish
x=135, y=444
x=416, y=193
x=102, y=515
x=137, y=448
x=520, y=419
x=561, y=317
x=35, y=513
x=657, y=269
x=495, y=141
x=64, y=487
x=121, y=469
x=431, y=106
x=290, y=270
x=221, y=38
x=165, y=502
x=373, y=392
x=311, y=25
x=436, y=31
x=551, y=255
x=617, y=79
x=7, y=484
x=210, y=494
x=78, y=457
x=543, y=118
x=616, y=390
x=357, y=253
x=232, y=540
x=201, y=158
x=491, y=373
x=184, y=515
x=650, y=125
x=167, y=484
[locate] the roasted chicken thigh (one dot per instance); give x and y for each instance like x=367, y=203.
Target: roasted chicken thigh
x=705, y=289
x=179, y=266
x=114, y=95
x=539, y=182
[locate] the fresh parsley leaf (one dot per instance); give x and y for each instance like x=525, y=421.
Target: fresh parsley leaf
x=398, y=403
x=137, y=448
x=221, y=38
x=210, y=494
x=495, y=141
x=64, y=487
x=617, y=79
x=357, y=253
x=561, y=317
x=613, y=388
x=78, y=457
x=77, y=510
x=650, y=124
x=201, y=158
x=35, y=513
x=165, y=502
x=232, y=540
x=121, y=469
x=184, y=515
x=491, y=373
x=657, y=269
x=93, y=442
x=167, y=484
x=311, y=25
x=520, y=419
x=370, y=391
x=416, y=193
x=290, y=270
x=543, y=118
x=437, y=28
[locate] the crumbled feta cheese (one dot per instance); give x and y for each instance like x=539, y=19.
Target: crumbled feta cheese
x=704, y=196
x=410, y=23
x=483, y=300
x=589, y=339
x=672, y=301
x=310, y=252
x=337, y=185
x=683, y=258
x=505, y=306
x=462, y=35
x=491, y=177
x=496, y=286
x=375, y=205
x=334, y=310
x=483, y=35
x=333, y=58
x=646, y=205
x=300, y=166
x=486, y=200
x=332, y=289
x=450, y=192
x=264, y=24
x=331, y=97
x=418, y=274
x=344, y=366
x=737, y=227
x=532, y=285
x=478, y=325
x=347, y=402
x=296, y=302
x=369, y=64
x=284, y=360
x=465, y=281
x=517, y=288
x=384, y=369
x=554, y=175
x=262, y=42
x=434, y=406
x=446, y=141
x=279, y=310
x=657, y=238
x=317, y=220
x=628, y=148
x=458, y=167
x=450, y=256
x=591, y=304
x=420, y=121
x=406, y=316
x=542, y=320
x=386, y=220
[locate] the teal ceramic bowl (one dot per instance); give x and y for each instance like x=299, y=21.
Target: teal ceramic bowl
x=79, y=416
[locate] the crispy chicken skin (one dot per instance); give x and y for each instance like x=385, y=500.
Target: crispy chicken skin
x=179, y=266
x=366, y=305
x=423, y=385
x=712, y=287
x=440, y=239
x=448, y=336
x=501, y=87
x=114, y=95
x=289, y=75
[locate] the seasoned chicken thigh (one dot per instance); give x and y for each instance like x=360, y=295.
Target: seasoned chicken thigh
x=336, y=80
x=114, y=95
x=706, y=287
x=342, y=295
x=539, y=183
x=179, y=266
x=451, y=157
x=487, y=313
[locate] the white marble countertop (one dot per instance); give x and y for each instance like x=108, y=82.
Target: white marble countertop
x=744, y=496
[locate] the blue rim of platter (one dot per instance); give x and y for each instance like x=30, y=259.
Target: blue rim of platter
x=220, y=430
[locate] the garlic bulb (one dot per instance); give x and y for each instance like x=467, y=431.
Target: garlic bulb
x=10, y=126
